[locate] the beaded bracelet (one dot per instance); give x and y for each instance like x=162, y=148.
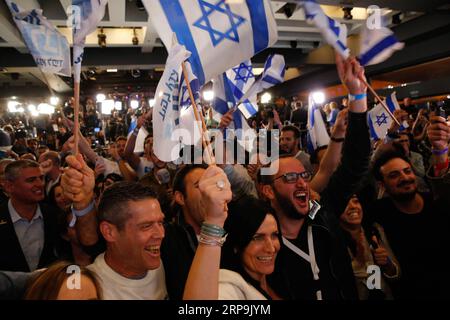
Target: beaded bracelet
x=212, y=241
x=212, y=230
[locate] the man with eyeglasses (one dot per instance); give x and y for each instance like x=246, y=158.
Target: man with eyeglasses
x=313, y=263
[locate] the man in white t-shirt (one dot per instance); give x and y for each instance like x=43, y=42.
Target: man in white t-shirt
x=131, y=222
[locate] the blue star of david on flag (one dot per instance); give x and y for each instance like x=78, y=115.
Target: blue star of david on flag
x=217, y=36
x=381, y=119
x=243, y=72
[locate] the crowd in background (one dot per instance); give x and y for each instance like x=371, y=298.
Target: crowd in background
x=318, y=228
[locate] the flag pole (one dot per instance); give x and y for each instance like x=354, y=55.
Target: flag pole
x=380, y=100
x=76, y=111
x=199, y=117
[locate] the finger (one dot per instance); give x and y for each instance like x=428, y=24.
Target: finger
x=73, y=162
x=375, y=240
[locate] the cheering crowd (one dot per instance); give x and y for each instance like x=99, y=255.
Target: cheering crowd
x=357, y=219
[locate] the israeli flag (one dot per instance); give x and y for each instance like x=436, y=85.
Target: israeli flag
x=172, y=126
x=228, y=90
x=185, y=99
x=49, y=48
x=87, y=14
x=379, y=120
x=317, y=131
x=273, y=74
x=219, y=33
x=377, y=45
x=334, y=33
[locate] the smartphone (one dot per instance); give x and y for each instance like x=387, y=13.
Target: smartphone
x=97, y=130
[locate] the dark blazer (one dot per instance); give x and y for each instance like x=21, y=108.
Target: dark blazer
x=11, y=254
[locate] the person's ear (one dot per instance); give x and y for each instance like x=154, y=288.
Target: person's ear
x=109, y=231
x=179, y=198
x=268, y=192
x=8, y=185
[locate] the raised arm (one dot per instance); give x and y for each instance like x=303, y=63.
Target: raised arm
x=332, y=156
x=128, y=153
x=356, y=149
x=78, y=183
x=203, y=279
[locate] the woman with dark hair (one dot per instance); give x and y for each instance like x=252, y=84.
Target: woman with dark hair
x=70, y=249
x=64, y=281
x=250, y=249
x=249, y=253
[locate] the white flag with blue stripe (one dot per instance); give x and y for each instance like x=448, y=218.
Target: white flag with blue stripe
x=317, y=131
x=227, y=92
x=334, y=33
x=273, y=74
x=49, y=48
x=379, y=120
x=219, y=34
x=377, y=45
x=86, y=19
x=173, y=126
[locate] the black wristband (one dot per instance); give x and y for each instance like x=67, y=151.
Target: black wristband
x=337, y=139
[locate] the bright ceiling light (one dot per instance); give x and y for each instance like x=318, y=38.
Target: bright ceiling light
x=101, y=97
x=45, y=108
x=266, y=97
x=118, y=105
x=54, y=101
x=107, y=106
x=12, y=106
x=318, y=97
x=111, y=70
x=208, y=95
x=134, y=104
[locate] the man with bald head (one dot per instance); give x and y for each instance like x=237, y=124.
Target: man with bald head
x=313, y=263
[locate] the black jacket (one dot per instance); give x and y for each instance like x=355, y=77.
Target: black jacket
x=343, y=184
x=11, y=255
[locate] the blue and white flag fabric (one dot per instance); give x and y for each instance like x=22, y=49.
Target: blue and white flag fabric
x=334, y=33
x=377, y=45
x=238, y=81
x=185, y=99
x=317, y=131
x=273, y=74
x=379, y=120
x=86, y=18
x=219, y=33
x=172, y=127
x=227, y=92
x=49, y=48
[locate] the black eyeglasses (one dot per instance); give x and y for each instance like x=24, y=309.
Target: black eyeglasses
x=292, y=177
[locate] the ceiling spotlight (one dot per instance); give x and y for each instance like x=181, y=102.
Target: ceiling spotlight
x=101, y=39
x=135, y=39
x=140, y=5
x=288, y=9
x=347, y=13
x=135, y=73
x=208, y=95
x=318, y=97
x=396, y=18
x=266, y=97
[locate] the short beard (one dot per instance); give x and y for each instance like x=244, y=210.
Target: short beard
x=287, y=206
x=404, y=197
